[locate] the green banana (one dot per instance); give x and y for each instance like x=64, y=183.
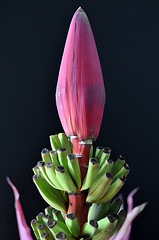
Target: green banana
x=34, y=224
x=113, y=190
x=104, y=156
x=92, y=172
x=64, y=142
x=41, y=165
x=61, y=236
x=49, y=210
x=89, y=228
x=50, y=171
x=36, y=170
x=118, y=165
x=45, y=155
x=41, y=229
x=92, y=211
x=45, y=235
x=65, y=180
x=55, y=142
x=74, y=169
x=71, y=145
x=107, y=222
x=99, y=188
x=114, y=206
x=91, y=152
x=123, y=172
x=57, y=215
x=54, y=158
x=106, y=167
x=45, y=218
x=71, y=222
x=98, y=152
x=101, y=210
x=112, y=229
x=121, y=218
x=49, y=194
x=39, y=217
x=56, y=226
x=62, y=157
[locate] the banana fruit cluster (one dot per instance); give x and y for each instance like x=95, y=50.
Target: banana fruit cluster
x=58, y=174
x=104, y=178
x=52, y=224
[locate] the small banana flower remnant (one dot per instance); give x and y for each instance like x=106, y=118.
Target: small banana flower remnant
x=80, y=93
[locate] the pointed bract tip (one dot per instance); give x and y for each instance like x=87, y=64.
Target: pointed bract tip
x=79, y=9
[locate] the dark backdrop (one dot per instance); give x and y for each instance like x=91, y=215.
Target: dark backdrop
x=32, y=37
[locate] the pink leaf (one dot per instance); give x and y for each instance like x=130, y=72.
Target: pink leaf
x=24, y=230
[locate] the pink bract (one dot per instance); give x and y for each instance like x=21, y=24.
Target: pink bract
x=80, y=92
x=24, y=230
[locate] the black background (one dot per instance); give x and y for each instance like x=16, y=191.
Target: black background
x=32, y=37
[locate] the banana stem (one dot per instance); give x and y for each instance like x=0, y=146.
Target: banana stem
x=77, y=205
x=83, y=152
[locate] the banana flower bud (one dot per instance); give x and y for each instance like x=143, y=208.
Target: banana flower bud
x=80, y=92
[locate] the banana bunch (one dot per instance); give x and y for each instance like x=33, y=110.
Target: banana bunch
x=52, y=224
x=104, y=178
x=58, y=175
